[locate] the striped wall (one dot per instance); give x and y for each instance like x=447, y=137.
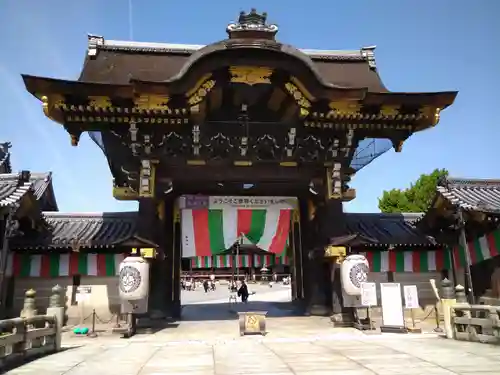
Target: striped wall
x=227, y=261
x=408, y=261
x=55, y=265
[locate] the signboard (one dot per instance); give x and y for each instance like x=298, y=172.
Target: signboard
x=252, y=323
x=411, y=297
x=83, y=293
x=369, y=294
x=392, y=305
x=193, y=201
x=221, y=202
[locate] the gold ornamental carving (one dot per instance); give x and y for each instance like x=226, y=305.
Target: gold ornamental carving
x=390, y=110
x=100, y=102
x=432, y=113
x=203, y=90
x=51, y=102
x=344, y=108
x=155, y=102
x=299, y=97
x=251, y=75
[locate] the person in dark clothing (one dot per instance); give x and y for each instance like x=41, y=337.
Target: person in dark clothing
x=243, y=292
x=205, y=286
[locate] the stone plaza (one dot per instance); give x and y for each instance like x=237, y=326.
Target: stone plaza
x=293, y=345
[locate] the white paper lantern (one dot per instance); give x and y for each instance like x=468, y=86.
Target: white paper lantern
x=133, y=279
x=354, y=271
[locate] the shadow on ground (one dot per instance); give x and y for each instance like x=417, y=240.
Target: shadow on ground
x=227, y=311
x=15, y=362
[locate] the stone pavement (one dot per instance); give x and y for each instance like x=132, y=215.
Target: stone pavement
x=300, y=346
x=208, y=342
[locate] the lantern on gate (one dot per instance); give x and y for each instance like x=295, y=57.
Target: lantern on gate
x=354, y=271
x=134, y=279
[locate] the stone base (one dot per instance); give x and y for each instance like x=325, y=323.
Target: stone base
x=342, y=320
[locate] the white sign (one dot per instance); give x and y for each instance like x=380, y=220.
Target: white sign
x=369, y=294
x=83, y=293
x=411, y=297
x=221, y=202
x=392, y=305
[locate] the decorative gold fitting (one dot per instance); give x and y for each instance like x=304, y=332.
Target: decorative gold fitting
x=288, y=164
x=250, y=75
x=196, y=162
x=124, y=193
x=242, y=163
x=344, y=108
x=335, y=251
x=390, y=110
x=159, y=102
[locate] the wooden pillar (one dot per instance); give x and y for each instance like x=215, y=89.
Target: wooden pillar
x=166, y=283
x=304, y=238
x=332, y=225
x=297, y=265
x=176, y=262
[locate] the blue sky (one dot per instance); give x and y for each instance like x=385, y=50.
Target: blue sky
x=422, y=45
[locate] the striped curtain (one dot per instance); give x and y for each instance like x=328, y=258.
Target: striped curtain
x=242, y=261
x=56, y=265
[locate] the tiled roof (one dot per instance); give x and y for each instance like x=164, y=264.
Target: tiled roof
x=387, y=229
x=107, y=229
x=96, y=230
x=472, y=194
x=12, y=188
x=116, y=62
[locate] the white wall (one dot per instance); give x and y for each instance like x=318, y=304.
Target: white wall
x=104, y=297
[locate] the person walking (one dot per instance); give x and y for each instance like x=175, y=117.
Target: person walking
x=243, y=292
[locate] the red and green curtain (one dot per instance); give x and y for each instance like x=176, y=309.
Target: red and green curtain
x=242, y=261
x=208, y=232
x=60, y=265
x=482, y=248
x=408, y=261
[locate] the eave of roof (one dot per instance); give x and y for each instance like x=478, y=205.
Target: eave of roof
x=388, y=229
x=87, y=230
x=12, y=190
x=481, y=195
x=98, y=42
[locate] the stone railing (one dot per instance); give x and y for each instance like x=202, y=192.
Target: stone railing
x=463, y=321
x=24, y=337
x=32, y=334
x=480, y=323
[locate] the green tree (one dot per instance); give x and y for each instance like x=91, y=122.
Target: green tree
x=416, y=198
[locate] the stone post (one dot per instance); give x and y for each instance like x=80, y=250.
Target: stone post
x=56, y=308
x=447, y=301
x=29, y=308
x=460, y=294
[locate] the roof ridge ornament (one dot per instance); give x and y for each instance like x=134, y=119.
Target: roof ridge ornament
x=252, y=25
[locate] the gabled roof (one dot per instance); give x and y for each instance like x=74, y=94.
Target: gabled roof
x=482, y=195
x=117, y=62
x=89, y=230
x=387, y=229
x=13, y=188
